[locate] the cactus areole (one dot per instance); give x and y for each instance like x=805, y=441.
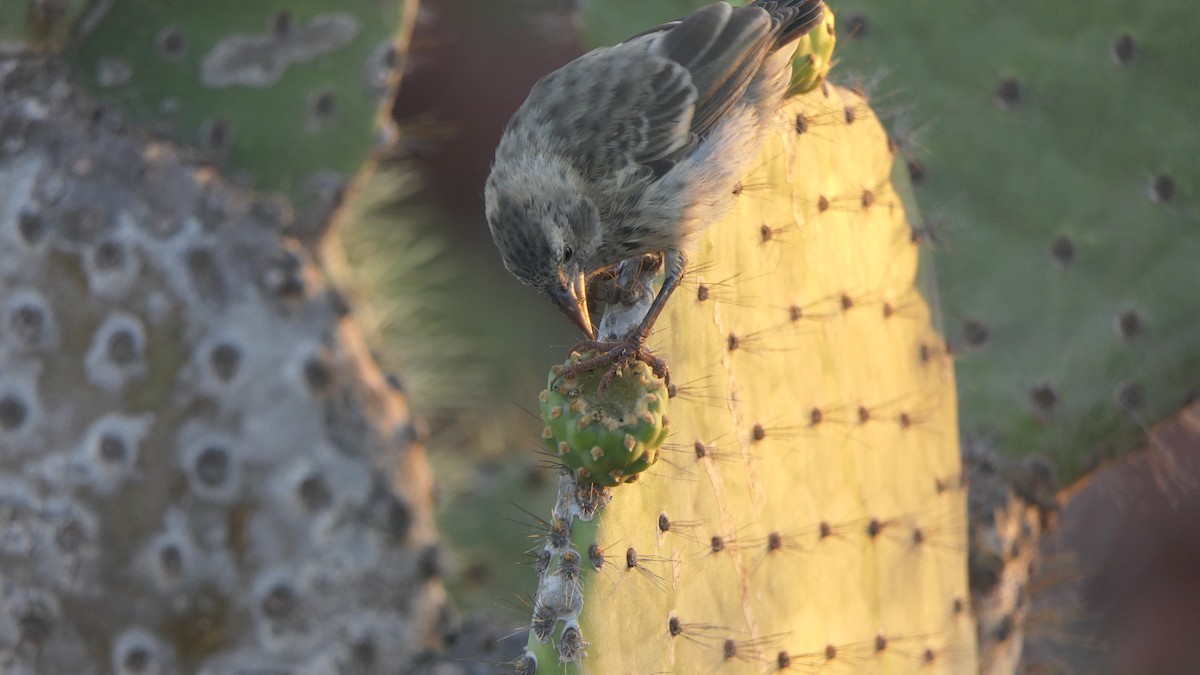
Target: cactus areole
x=605, y=438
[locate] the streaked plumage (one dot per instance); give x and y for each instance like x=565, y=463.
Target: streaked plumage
x=634, y=149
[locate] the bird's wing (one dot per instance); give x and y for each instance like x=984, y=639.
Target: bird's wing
x=722, y=48
x=649, y=99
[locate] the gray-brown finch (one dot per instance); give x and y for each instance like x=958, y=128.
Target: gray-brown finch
x=634, y=149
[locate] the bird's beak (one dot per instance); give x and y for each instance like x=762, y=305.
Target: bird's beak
x=571, y=298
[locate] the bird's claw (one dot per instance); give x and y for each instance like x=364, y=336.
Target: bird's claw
x=615, y=356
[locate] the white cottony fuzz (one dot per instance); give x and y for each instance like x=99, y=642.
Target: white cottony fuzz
x=212, y=465
x=572, y=647
x=112, y=266
x=21, y=412
x=564, y=501
x=259, y=60
x=117, y=352
x=171, y=558
x=110, y=448
x=526, y=664
x=139, y=652
x=28, y=321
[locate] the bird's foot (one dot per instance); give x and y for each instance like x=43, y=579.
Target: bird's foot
x=616, y=356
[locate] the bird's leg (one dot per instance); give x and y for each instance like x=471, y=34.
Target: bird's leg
x=675, y=262
x=617, y=355
x=631, y=278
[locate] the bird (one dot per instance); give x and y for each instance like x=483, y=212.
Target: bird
x=633, y=150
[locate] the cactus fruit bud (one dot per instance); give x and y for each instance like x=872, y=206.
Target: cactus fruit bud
x=630, y=428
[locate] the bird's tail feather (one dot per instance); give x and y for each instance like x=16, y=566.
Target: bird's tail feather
x=793, y=18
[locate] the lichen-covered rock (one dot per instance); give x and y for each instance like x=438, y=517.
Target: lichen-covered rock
x=201, y=470
x=606, y=438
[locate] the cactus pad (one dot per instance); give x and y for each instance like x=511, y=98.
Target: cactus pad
x=1060, y=160
x=285, y=95
x=807, y=514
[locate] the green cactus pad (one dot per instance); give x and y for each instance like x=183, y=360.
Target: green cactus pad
x=610, y=438
x=1060, y=160
x=286, y=96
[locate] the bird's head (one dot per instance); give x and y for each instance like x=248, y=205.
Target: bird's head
x=548, y=233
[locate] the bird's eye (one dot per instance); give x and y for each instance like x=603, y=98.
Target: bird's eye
x=567, y=253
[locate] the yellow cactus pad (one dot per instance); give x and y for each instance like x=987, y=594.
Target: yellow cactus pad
x=799, y=520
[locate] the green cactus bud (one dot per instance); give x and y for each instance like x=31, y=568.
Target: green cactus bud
x=814, y=57
x=605, y=438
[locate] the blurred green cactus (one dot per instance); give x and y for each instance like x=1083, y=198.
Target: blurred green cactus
x=285, y=95
x=814, y=57
x=1059, y=159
